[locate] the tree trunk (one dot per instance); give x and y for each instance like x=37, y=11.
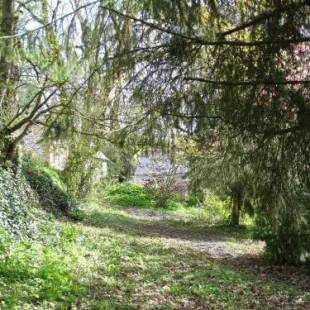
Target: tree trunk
x=128, y=165
x=7, y=22
x=9, y=155
x=7, y=29
x=235, y=213
x=236, y=206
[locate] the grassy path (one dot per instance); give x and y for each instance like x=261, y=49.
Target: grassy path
x=221, y=243
x=142, y=259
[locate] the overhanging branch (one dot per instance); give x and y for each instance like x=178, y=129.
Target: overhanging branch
x=202, y=41
x=264, y=16
x=248, y=83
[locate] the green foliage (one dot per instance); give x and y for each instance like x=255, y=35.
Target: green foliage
x=81, y=166
x=30, y=274
x=68, y=233
x=211, y=210
x=138, y=196
x=283, y=223
x=17, y=204
x=77, y=214
x=285, y=243
x=48, y=185
x=164, y=188
x=217, y=210
x=55, y=176
x=130, y=195
x=194, y=200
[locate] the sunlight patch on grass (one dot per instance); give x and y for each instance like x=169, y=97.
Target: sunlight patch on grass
x=109, y=261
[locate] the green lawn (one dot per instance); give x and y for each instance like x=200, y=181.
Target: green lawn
x=122, y=259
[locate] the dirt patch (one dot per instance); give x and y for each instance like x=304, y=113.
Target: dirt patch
x=152, y=215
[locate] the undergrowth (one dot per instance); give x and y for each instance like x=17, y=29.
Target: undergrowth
x=35, y=273
x=113, y=260
x=50, y=188
x=17, y=204
x=212, y=210
x=130, y=195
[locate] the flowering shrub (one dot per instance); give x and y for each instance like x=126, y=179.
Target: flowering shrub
x=166, y=186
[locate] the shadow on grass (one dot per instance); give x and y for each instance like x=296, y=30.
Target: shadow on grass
x=172, y=229
x=159, y=228
x=151, y=276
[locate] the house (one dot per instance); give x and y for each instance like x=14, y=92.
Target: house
x=56, y=154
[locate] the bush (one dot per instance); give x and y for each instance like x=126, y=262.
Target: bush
x=166, y=187
x=17, y=204
x=287, y=242
x=209, y=210
x=160, y=188
x=48, y=185
x=216, y=208
x=139, y=196
x=194, y=200
x=130, y=195
x=77, y=214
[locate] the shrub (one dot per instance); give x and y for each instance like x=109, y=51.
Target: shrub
x=161, y=189
x=194, y=200
x=287, y=241
x=77, y=214
x=48, y=185
x=134, y=195
x=216, y=208
x=130, y=195
x=165, y=187
x=209, y=210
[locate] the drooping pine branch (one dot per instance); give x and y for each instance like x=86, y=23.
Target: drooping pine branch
x=248, y=83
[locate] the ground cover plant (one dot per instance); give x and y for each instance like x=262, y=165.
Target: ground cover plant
x=126, y=258
x=33, y=273
x=18, y=202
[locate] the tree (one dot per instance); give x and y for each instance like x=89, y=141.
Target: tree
x=217, y=69
x=7, y=28
x=237, y=79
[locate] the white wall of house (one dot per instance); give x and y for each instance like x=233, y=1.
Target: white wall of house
x=57, y=157
x=156, y=164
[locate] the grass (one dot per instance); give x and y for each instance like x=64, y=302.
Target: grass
x=115, y=259
x=55, y=177
x=213, y=210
